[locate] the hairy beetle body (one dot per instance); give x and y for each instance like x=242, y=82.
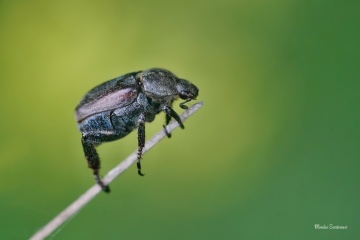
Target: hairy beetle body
x=115, y=108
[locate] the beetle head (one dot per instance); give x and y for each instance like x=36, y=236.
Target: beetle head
x=187, y=91
x=163, y=85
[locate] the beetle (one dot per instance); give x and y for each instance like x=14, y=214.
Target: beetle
x=113, y=109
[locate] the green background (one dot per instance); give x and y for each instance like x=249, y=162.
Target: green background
x=274, y=150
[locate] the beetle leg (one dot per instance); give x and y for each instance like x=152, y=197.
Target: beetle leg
x=167, y=120
x=141, y=143
x=93, y=161
x=169, y=111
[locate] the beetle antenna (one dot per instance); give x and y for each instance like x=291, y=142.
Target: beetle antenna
x=184, y=106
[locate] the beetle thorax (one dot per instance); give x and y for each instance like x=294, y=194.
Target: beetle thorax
x=159, y=84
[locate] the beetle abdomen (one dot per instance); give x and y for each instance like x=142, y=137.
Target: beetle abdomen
x=98, y=122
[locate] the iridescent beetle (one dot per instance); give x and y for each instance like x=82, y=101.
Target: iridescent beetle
x=115, y=108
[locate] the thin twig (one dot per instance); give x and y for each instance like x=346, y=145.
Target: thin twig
x=115, y=172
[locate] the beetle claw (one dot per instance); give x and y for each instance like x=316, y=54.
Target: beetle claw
x=140, y=173
x=105, y=188
x=166, y=132
x=139, y=168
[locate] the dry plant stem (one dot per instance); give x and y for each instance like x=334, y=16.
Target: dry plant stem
x=115, y=172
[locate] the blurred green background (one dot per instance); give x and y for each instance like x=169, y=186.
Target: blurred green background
x=274, y=150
